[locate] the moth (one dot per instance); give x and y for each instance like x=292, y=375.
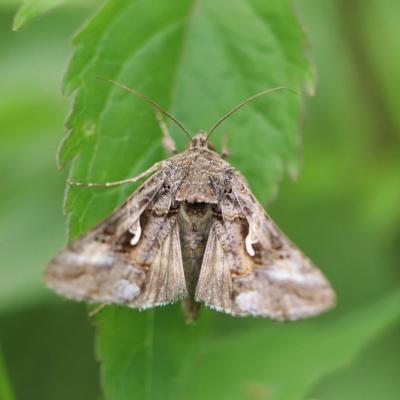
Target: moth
x=193, y=231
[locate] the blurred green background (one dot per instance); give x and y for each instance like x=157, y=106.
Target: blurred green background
x=344, y=210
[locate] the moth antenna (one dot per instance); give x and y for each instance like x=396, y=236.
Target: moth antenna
x=243, y=103
x=151, y=102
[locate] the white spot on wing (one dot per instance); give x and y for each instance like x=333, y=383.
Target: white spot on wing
x=136, y=230
x=291, y=271
x=249, y=301
x=94, y=254
x=125, y=290
x=249, y=247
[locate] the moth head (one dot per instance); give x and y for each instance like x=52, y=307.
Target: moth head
x=200, y=140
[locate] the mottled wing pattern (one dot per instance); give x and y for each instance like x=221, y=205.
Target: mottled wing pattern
x=214, y=286
x=133, y=257
x=269, y=276
x=166, y=279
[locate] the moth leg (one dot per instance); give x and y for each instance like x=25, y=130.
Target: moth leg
x=168, y=142
x=96, y=310
x=225, y=153
x=149, y=171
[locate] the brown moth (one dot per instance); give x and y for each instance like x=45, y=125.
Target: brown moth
x=192, y=231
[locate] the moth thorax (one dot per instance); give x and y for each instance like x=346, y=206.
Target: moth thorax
x=195, y=213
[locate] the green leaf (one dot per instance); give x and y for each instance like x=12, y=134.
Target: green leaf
x=30, y=9
x=198, y=59
x=153, y=354
x=6, y=392
x=49, y=352
x=374, y=373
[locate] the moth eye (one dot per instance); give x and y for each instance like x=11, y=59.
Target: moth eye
x=166, y=186
x=228, y=190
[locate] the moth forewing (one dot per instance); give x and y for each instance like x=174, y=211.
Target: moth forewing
x=166, y=280
x=215, y=282
x=111, y=263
